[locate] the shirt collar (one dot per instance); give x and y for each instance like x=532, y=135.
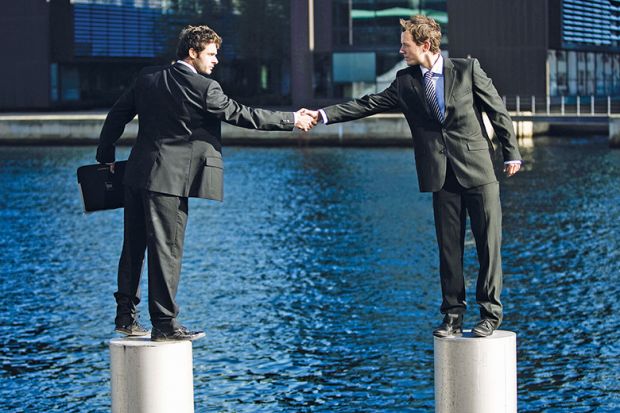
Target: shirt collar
x=437, y=68
x=188, y=65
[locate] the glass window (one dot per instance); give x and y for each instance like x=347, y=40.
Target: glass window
x=562, y=73
x=572, y=74
x=600, y=74
x=552, y=69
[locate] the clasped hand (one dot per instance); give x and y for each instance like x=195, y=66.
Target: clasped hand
x=306, y=119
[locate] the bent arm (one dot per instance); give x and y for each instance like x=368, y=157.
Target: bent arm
x=493, y=105
x=364, y=106
x=229, y=111
x=123, y=111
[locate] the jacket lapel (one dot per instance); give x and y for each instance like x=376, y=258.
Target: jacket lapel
x=448, y=85
x=418, y=86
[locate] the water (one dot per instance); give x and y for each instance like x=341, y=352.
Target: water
x=316, y=281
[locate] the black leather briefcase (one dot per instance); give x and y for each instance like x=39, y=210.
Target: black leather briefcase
x=100, y=188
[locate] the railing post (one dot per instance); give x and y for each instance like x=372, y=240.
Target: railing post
x=562, y=105
x=592, y=104
x=518, y=104
x=533, y=104
x=548, y=105
x=608, y=105
x=578, y=108
x=504, y=99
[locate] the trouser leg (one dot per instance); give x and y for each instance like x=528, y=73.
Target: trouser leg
x=166, y=222
x=132, y=258
x=450, y=215
x=483, y=206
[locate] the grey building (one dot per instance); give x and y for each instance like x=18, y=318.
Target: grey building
x=79, y=54
x=541, y=47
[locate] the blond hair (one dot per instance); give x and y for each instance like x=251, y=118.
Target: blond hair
x=423, y=28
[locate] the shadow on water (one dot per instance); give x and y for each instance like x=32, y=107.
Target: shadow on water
x=316, y=281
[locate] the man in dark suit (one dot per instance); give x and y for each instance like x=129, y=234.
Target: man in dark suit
x=177, y=155
x=443, y=100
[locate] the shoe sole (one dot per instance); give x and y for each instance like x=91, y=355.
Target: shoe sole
x=479, y=334
x=186, y=338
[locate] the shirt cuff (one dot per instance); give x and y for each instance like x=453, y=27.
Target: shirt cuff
x=323, y=115
x=513, y=162
x=295, y=118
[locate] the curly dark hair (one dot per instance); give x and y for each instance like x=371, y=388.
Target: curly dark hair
x=197, y=38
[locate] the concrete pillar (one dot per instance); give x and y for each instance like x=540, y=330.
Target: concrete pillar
x=614, y=131
x=476, y=375
x=302, y=66
x=151, y=377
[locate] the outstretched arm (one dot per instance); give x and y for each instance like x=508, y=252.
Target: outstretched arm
x=362, y=107
x=230, y=111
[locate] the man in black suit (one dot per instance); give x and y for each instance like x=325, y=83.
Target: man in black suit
x=177, y=155
x=443, y=100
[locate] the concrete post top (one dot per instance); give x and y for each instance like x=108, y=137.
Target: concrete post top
x=468, y=336
x=145, y=341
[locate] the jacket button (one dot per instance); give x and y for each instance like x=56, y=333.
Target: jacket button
x=443, y=151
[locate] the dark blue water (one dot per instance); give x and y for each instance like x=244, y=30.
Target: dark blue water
x=316, y=282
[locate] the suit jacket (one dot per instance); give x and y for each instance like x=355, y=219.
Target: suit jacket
x=178, y=150
x=462, y=137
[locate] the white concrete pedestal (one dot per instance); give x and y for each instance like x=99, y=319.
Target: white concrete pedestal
x=151, y=377
x=476, y=375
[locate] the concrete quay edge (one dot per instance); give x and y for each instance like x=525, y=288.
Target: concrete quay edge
x=83, y=128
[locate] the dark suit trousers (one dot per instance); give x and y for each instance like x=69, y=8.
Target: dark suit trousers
x=154, y=222
x=451, y=206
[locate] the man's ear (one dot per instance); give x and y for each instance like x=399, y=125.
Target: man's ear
x=192, y=53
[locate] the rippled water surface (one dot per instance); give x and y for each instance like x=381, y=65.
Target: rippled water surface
x=316, y=282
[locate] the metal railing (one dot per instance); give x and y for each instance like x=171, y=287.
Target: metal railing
x=563, y=105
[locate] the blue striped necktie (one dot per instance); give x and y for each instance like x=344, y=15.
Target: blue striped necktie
x=431, y=96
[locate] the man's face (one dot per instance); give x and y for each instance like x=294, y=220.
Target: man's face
x=205, y=61
x=412, y=52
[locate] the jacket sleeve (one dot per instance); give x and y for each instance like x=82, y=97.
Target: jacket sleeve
x=492, y=104
x=123, y=111
x=364, y=106
x=229, y=111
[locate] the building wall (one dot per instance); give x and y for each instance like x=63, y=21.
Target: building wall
x=508, y=37
x=24, y=42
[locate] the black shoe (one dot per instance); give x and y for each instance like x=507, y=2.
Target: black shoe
x=452, y=324
x=484, y=328
x=178, y=334
x=134, y=329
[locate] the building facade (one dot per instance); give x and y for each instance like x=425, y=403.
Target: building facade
x=542, y=47
x=81, y=54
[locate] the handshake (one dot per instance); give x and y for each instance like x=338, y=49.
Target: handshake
x=306, y=119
